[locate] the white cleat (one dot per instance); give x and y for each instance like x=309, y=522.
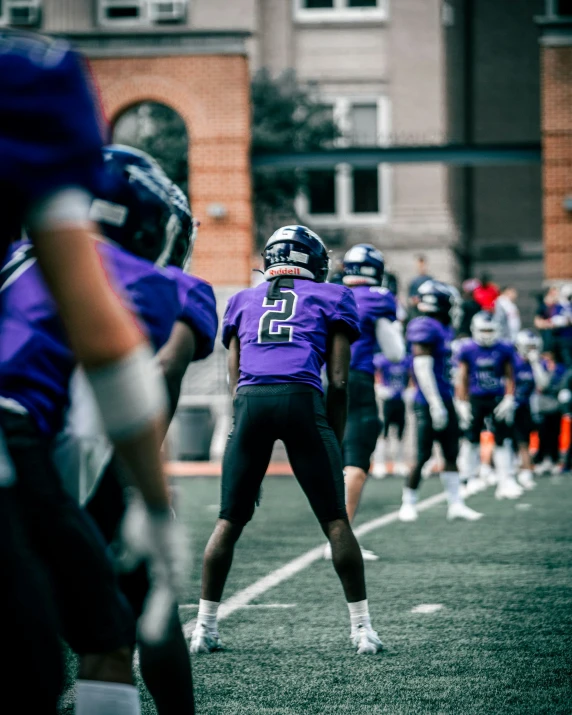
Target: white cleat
x=526, y=480
x=379, y=470
x=401, y=469
x=508, y=489
x=488, y=475
x=366, y=640
x=365, y=554
x=474, y=486
x=408, y=512
x=462, y=511
x=545, y=467
x=204, y=640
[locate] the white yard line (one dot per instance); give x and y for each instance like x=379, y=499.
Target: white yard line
x=243, y=598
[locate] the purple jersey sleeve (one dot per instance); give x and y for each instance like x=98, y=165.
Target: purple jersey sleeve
x=423, y=331
x=385, y=306
x=346, y=317
x=198, y=310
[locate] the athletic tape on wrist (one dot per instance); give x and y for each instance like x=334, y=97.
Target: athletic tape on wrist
x=66, y=207
x=130, y=393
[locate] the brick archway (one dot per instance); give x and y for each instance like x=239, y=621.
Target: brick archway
x=211, y=94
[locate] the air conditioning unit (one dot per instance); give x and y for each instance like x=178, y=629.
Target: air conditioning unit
x=23, y=12
x=168, y=10
x=122, y=11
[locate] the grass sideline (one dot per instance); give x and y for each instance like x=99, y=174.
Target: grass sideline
x=502, y=643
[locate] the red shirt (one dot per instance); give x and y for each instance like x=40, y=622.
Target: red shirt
x=486, y=296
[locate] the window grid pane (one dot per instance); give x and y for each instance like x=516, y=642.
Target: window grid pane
x=364, y=124
x=365, y=191
x=315, y=4
x=322, y=191
x=362, y=3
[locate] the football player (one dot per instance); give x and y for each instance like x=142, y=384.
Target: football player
x=485, y=389
x=50, y=143
x=363, y=273
x=394, y=380
x=430, y=336
x=279, y=335
x=527, y=372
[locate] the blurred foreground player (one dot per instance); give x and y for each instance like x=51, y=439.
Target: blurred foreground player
x=485, y=389
x=50, y=143
x=430, y=336
x=279, y=335
x=364, y=266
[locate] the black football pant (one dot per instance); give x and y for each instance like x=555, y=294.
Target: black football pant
x=94, y=616
x=483, y=407
x=394, y=414
x=296, y=415
x=549, y=437
x=363, y=425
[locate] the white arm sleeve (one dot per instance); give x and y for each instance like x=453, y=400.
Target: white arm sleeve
x=390, y=338
x=541, y=377
x=423, y=369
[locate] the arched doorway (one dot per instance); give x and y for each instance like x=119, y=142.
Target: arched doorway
x=161, y=132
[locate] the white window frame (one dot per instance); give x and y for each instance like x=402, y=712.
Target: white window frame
x=341, y=12
x=104, y=21
x=344, y=214
x=7, y=5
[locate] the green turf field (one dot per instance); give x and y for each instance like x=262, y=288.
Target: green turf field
x=501, y=643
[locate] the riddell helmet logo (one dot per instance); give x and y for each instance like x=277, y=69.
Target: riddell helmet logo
x=284, y=271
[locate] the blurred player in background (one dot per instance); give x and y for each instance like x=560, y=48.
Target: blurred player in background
x=279, y=336
x=430, y=336
x=363, y=273
x=550, y=380
x=50, y=143
x=394, y=379
x=485, y=389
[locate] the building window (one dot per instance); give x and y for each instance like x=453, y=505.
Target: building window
x=340, y=10
x=20, y=13
x=346, y=194
x=141, y=12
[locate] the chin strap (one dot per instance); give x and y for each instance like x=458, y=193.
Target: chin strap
x=274, y=286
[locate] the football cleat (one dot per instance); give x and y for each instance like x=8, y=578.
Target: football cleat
x=545, y=467
x=474, y=486
x=365, y=554
x=366, y=640
x=379, y=470
x=526, y=480
x=401, y=469
x=508, y=489
x=204, y=640
x=462, y=511
x=408, y=512
x=488, y=474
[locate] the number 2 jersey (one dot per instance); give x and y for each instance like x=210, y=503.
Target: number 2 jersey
x=285, y=340
x=438, y=337
x=373, y=303
x=486, y=366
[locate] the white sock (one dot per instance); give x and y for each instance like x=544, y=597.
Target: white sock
x=502, y=461
x=399, y=452
x=96, y=697
x=379, y=456
x=470, y=460
x=409, y=495
x=359, y=614
x=526, y=473
x=207, y=614
x=451, y=483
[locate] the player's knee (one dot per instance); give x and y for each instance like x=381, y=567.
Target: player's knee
x=227, y=532
x=112, y=667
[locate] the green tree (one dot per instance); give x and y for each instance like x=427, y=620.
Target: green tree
x=285, y=117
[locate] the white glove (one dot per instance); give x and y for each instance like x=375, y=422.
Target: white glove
x=559, y=321
x=409, y=395
x=155, y=537
x=383, y=392
x=564, y=396
x=464, y=413
x=533, y=356
x=439, y=416
x=504, y=411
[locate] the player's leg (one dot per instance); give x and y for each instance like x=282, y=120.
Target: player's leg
x=507, y=488
x=425, y=438
x=72, y=548
x=471, y=446
x=165, y=667
x=316, y=460
x=521, y=430
x=381, y=454
x=246, y=458
x=449, y=441
x=398, y=420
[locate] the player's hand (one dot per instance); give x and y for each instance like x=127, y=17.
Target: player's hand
x=155, y=537
x=504, y=411
x=464, y=413
x=559, y=321
x=439, y=416
x=533, y=356
x=565, y=396
x=383, y=392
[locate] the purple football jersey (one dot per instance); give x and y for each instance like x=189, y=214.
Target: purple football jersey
x=395, y=375
x=523, y=379
x=430, y=332
x=35, y=360
x=285, y=341
x=51, y=129
x=486, y=366
x=373, y=303
x=198, y=310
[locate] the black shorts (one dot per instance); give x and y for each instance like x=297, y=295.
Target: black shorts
x=483, y=416
x=363, y=425
x=426, y=435
x=523, y=424
x=296, y=415
x=94, y=616
x=394, y=414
